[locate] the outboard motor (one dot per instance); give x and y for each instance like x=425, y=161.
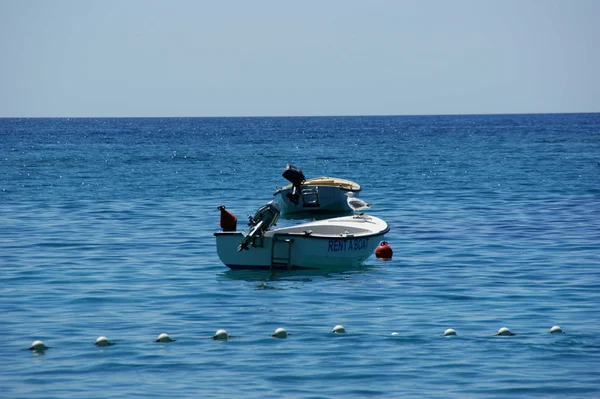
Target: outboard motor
x=266, y=217
x=295, y=176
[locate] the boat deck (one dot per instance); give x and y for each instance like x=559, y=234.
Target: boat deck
x=342, y=226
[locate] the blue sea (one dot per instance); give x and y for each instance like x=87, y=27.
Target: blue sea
x=106, y=229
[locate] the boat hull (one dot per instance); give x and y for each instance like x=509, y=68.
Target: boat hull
x=297, y=249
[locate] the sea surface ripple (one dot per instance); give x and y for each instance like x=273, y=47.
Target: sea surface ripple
x=107, y=230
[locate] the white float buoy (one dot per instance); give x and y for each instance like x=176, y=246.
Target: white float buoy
x=221, y=335
x=38, y=346
x=449, y=332
x=395, y=333
x=504, y=332
x=103, y=341
x=164, y=337
x=280, y=333
x=339, y=329
x=556, y=330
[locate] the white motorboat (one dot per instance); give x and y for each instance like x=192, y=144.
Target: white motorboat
x=319, y=194
x=335, y=243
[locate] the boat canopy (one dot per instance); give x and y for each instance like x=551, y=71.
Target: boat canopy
x=327, y=181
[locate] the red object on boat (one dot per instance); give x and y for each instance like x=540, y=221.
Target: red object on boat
x=384, y=251
x=228, y=220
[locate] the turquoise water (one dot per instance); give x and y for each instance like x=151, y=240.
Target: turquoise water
x=107, y=229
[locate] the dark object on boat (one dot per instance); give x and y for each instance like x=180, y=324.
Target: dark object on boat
x=295, y=176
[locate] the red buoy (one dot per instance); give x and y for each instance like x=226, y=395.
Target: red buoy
x=228, y=220
x=384, y=251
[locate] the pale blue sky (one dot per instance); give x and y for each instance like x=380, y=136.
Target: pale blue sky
x=276, y=58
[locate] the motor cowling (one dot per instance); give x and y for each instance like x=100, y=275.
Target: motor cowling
x=295, y=176
x=265, y=217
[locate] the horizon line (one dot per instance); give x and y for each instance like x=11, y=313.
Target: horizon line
x=300, y=116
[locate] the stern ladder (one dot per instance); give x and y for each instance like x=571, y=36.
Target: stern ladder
x=281, y=252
